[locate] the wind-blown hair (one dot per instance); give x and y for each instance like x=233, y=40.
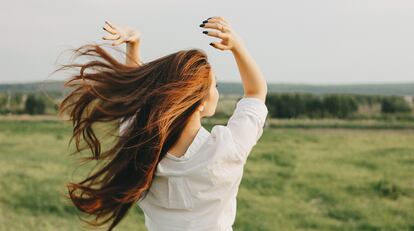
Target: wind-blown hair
x=156, y=98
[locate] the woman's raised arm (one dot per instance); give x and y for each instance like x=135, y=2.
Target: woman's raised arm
x=253, y=82
x=127, y=35
x=133, y=53
x=248, y=119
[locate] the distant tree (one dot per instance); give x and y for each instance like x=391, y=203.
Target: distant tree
x=369, y=100
x=34, y=105
x=315, y=107
x=394, y=104
x=331, y=104
x=340, y=106
x=3, y=100
x=285, y=105
x=16, y=99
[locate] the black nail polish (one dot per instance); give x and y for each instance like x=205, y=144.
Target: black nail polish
x=205, y=32
x=209, y=18
x=211, y=44
x=202, y=25
x=205, y=21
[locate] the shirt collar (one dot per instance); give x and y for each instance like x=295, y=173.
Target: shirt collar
x=198, y=141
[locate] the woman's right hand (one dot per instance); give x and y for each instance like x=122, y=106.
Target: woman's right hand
x=229, y=39
x=127, y=35
x=121, y=35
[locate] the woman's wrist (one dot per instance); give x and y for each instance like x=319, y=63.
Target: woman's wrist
x=134, y=42
x=133, y=52
x=238, y=49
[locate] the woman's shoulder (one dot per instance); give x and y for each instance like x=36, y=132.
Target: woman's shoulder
x=222, y=140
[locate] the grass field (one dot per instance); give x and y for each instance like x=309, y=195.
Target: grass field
x=294, y=179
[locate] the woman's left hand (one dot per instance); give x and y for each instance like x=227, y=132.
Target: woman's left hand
x=121, y=35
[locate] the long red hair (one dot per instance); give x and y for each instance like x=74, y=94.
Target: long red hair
x=157, y=98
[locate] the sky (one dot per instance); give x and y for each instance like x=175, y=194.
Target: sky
x=295, y=41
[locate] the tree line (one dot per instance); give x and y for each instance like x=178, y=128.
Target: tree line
x=303, y=105
x=280, y=105
x=27, y=103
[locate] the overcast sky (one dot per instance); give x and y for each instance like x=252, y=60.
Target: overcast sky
x=293, y=41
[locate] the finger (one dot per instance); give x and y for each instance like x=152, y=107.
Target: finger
x=219, y=18
x=217, y=26
x=109, y=29
x=216, y=20
x=111, y=37
x=217, y=34
x=117, y=42
x=111, y=24
x=224, y=20
x=218, y=45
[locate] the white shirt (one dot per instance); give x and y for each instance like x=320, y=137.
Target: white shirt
x=198, y=190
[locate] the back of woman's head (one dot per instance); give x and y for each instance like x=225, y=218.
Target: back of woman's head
x=157, y=98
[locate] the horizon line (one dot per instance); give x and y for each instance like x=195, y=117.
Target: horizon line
x=239, y=82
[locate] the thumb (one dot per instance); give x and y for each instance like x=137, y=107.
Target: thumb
x=218, y=45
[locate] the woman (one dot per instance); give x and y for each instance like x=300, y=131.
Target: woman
x=182, y=176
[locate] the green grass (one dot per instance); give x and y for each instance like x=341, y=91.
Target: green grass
x=294, y=179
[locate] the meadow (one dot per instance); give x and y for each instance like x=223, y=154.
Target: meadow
x=304, y=177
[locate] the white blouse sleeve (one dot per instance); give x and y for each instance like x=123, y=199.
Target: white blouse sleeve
x=124, y=125
x=121, y=128
x=246, y=124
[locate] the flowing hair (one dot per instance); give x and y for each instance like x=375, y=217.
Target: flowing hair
x=156, y=99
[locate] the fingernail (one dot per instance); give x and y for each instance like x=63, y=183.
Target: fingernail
x=205, y=21
x=205, y=32
x=211, y=44
x=202, y=25
x=209, y=18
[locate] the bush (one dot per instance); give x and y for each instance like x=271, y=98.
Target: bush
x=340, y=106
x=312, y=106
x=288, y=105
x=34, y=105
x=394, y=105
